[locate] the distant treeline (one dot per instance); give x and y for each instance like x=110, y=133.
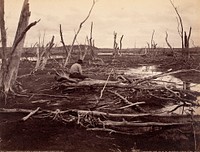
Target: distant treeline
x=31, y=51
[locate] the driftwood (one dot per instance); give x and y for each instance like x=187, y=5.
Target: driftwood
x=30, y=114
x=76, y=112
x=145, y=85
x=110, y=122
x=99, y=83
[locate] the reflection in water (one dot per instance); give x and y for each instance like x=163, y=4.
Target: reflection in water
x=142, y=71
x=146, y=71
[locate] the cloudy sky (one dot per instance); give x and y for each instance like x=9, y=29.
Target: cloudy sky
x=135, y=19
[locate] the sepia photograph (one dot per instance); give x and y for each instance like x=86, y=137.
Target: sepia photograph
x=99, y=75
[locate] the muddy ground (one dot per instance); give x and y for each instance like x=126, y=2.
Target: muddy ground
x=48, y=134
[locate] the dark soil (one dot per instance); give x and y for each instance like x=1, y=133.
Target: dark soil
x=48, y=134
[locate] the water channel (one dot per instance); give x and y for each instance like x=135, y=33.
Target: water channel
x=146, y=71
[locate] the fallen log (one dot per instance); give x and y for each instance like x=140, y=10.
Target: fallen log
x=30, y=114
x=98, y=114
x=131, y=105
x=93, y=113
x=165, y=74
x=15, y=110
x=140, y=124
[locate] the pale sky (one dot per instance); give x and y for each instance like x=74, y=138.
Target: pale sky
x=135, y=19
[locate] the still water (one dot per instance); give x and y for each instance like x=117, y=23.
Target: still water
x=146, y=71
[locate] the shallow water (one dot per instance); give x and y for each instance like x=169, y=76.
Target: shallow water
x=146, y=71
x=35, y=58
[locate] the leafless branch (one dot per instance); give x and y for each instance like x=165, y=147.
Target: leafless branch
x=166, y=39
x=180, y=21
x=79, y=29
x=23, y=34
x=101, y=94
x=63, y=42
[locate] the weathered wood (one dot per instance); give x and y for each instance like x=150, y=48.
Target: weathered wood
x=77, y=112
x=131, y=105
x=4, y=45
x=15, y=110
x=75, y=36
x=140, y=124
x=10, y=73
x=180, y=24
x=63, y=42
x=96, y=83
x=135, y=84
x=43, y=54
x=30, y=114
x=17, y=48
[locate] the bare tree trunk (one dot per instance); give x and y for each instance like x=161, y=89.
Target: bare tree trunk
x=91, y=44
x=14, y=60
x=4, y=42
x=169, y=45
x=63, y=42
x=186, y=44
x=43, y=54
x=153, y=44
x=75, y=36
x=115, y=45
x=120, y=46
x=47, y=53
x=180, y=23
x=10, y=73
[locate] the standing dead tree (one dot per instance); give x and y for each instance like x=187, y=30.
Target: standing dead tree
x=63, y=42
x=91, y=44
x=117, y=47
x=172, y=53
x=43, y=54
x=120, y=42
x=3, y=40
x=184, y=37
x=168, y=44
x=9, y=68
x=153, y=44
x=76, y=34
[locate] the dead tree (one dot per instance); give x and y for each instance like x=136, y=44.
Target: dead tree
x=76, y=34
x=43, y=54
x=91, y=44
x=3, y=41
x=153, y=44
x=10, y=66
x=115, y=45
x=184, y=38
x=120, y=42
x=169, y=45
x=63, y=42
x=186, y=44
